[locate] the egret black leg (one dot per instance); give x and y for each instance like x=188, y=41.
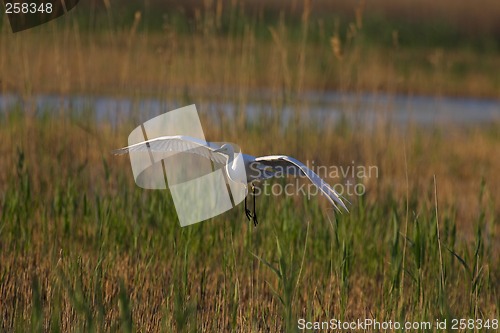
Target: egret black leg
x=247, y=211
x=255, y=222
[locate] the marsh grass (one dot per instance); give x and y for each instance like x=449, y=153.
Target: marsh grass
x=218, y=51
x=82, y=248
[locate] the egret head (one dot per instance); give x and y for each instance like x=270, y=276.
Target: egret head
x=226, y=149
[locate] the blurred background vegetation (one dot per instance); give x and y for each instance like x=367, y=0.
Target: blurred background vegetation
x=425, y=47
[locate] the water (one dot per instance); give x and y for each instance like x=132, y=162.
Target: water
x=322, y=107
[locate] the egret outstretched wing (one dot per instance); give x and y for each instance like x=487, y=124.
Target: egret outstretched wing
x=290, y=165
x=177, y=143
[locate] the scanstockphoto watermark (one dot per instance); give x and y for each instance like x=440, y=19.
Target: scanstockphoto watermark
x=368, y=324
x=348, y=180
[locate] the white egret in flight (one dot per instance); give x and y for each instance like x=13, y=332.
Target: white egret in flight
x=255, y=168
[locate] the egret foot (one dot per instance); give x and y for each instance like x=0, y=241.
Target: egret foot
x=248, y=213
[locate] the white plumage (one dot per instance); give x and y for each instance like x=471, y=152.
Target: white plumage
x=256, y=168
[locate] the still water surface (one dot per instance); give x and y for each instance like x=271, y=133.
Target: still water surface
x=321, y=107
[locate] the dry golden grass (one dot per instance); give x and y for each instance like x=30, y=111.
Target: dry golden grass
x=83, y=248
x=72, y=259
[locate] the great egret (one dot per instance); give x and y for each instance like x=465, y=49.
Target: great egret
x=255, y=168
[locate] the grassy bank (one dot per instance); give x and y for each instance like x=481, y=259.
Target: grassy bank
x=83, y=248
